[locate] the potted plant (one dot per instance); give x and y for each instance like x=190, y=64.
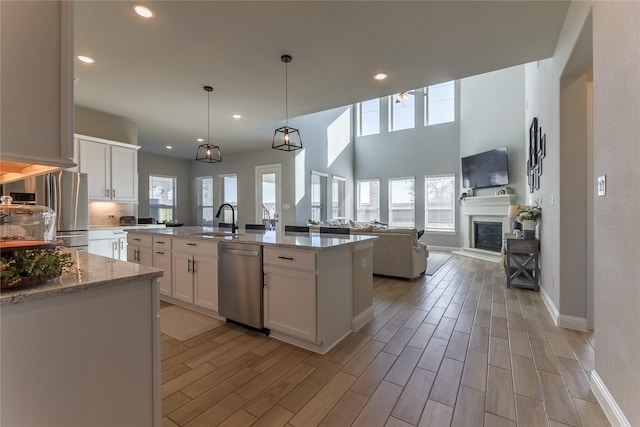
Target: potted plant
x=529, y=218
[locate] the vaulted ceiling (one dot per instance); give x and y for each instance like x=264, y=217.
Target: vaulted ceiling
x=152, y=72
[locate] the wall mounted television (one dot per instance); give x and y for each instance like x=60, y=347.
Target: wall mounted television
x=487, y=169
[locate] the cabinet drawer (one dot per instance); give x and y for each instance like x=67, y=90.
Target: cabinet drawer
x=107, y=234
x=140, y=239
x=161, y=242
x=195, y=246
x=291, y=258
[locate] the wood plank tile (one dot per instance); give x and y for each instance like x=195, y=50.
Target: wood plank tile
x=403, y=366
x=304, y=392
x=174, y=371
x=416, y=319
x=591, y=414
x=519, y=343
x=535, y=330
x=173, y=402
x=479, y=340
x=464, y=323
x=262, y=382
x=320, y=405
x=499, y=353
x=436, y=414
x=166, y=422
x=379, y=406
x=434, y=316
x=187, y=378
x=414, y=397
x=531, y=412
x=277, y=416
x=585, y=354
x=373, y=375
x=492, y=420
x=560, y=346
x=445, y=386
x=457, y=347
x=394, y=422
x=469, y=407
x=500, y=396
x=399, y=341
x=347, y=348
x=515, y=321
x=557, y=400
x=422, y=336
x=345, y=411
x=363, y=358
x=239, y=419
x=218, y=412
x=474, y=374
x=576, y=379
x=499, y=327
x=389, y=330
x=525, y=378
x=433, y=354
x=266, y=347
x=543, y=357
x=214, y=378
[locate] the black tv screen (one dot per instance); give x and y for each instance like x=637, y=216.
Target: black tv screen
x=488, y=169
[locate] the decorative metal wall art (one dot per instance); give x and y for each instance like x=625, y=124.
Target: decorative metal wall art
x=537, y=152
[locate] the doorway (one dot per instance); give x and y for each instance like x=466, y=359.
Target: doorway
x=268, y=196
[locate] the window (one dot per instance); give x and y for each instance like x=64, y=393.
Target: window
x=402, y=111
x=229, y=195
x=368, y=196
x=402, y=202
x=338, y=197
x=162, y=198
x=439, y=201
x=204, y=185
x=318, y=196
x=440, y=103
x=369, y=117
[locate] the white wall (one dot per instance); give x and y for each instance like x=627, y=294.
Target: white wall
x=104, y=125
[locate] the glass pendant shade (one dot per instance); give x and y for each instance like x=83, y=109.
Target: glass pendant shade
x=286, y=139
x=208, y=153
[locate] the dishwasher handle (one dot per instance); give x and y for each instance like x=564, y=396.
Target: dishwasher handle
x=240, y=252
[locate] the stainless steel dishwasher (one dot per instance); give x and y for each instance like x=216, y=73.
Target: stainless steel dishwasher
x=240, y=283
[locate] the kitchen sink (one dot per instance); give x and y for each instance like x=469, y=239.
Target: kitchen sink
x=213, y=234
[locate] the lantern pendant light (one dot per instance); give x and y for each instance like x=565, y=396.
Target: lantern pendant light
x=286, y=138
x=208, y=152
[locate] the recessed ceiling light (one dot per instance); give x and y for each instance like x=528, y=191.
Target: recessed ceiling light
x=85, y=59
x=143, y=11
x=237, y=116
x=200, y=139
x=169, y=147
x=380, y=76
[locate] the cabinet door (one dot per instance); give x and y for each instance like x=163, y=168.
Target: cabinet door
x=290, y=302
x=206, y=282
x=95, y=160
x=104, y=247
x=183, y=277
x=145, y=256
x=162, y=260
x=124, y=174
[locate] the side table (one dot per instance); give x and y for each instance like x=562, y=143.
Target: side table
x=522, y=263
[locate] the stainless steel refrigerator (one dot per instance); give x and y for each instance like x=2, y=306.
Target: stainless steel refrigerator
x=67, y=194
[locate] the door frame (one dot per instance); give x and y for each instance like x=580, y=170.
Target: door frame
x=275, y=168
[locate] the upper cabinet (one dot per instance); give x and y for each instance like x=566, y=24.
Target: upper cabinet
x=112, y=168
x=36, y=76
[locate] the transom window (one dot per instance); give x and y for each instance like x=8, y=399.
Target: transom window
x=369, y=117
x=440, y=104
x=205, y=213
x=402, y=202
x=402, y=111
x=162, y=197
x=368, y=200
x=439, y=201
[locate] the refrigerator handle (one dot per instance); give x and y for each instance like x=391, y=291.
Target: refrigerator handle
x=52, y=189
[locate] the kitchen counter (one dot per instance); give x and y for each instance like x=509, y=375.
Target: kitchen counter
x=314, y=241
x=95, y=272
x=126, y=227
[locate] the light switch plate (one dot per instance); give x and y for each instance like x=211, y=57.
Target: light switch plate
x=602, y=185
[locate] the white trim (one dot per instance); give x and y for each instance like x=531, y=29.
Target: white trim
x=611, y=409
x=572, y=322
x=361, y=319
x=442, y=248
x=106, y=141
x=551, y=307
x=275, y=168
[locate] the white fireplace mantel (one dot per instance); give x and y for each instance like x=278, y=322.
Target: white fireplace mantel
x=484, y=208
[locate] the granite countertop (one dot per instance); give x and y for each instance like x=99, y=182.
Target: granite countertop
x=267, y=238
x=126, y=227
x=95, y=272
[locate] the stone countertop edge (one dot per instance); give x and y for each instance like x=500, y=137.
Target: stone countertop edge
x=315, y=241
x=95, y=272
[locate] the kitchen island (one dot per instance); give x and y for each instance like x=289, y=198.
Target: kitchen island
x=317, y=287
x=82, y=350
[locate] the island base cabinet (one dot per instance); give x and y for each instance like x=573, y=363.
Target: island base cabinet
x=195, y=273
x=183, y=277
x=162, y=260
x=89, y=358
x=205, y=272
x=290, y=302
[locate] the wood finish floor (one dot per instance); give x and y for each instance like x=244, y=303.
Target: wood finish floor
x=457, y=348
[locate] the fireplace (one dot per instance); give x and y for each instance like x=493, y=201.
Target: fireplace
x=487, y=235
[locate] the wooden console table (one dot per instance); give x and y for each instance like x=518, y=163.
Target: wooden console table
x=522, y=263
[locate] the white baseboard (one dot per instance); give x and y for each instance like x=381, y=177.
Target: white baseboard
x=607, y=402
x=563, y=320
x=442, y=248
x=361, y=319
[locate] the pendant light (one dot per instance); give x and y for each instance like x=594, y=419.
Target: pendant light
x=286, y=138
x=208, y=152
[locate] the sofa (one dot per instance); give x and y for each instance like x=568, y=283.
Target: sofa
x=397, y=251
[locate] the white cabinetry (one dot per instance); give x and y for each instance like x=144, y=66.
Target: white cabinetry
x=162, y=260
x=139, y=249
x=308, y=295
x=195, y=272
x=112, y=168
x=109, y=243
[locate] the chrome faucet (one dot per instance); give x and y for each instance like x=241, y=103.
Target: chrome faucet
x=233, y=216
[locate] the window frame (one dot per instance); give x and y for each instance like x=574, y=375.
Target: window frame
x=200, y=206
x=226, y=214
x=392, y=111
x=360, y=118
x=342, y=198
x=319, y=212
x=452, y=228
x=391, y=221
x=359, y=208
x=427, y=100
x=157, y=208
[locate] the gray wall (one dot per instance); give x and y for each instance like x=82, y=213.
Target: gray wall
x=153, y=164
x=103, y=125
x=424, y=150
x=616, y=59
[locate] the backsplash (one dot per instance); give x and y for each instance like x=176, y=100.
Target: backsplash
x=109, y=213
